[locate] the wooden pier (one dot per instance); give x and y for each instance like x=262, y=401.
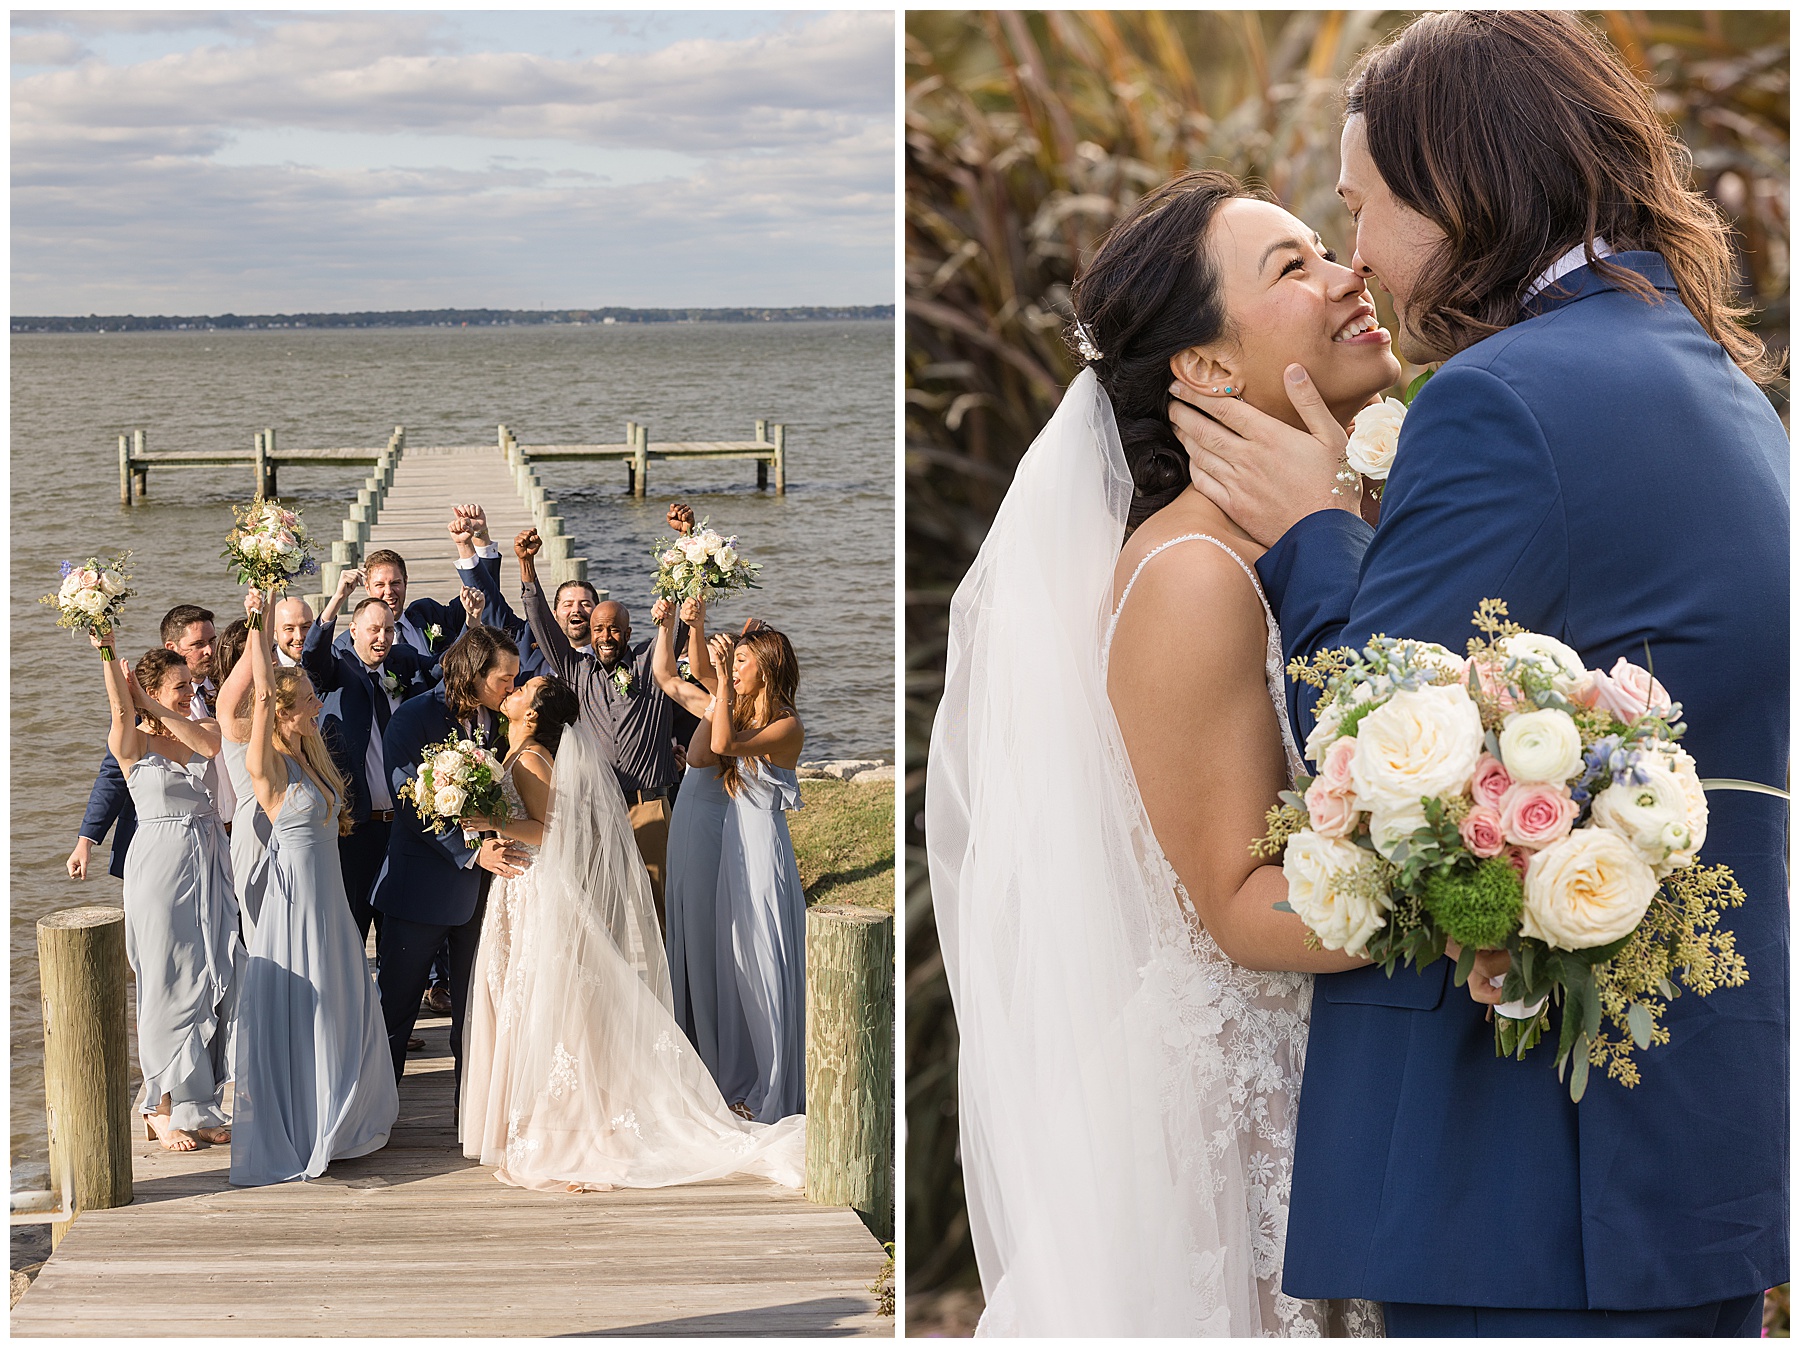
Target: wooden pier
x=768, y=451
x=418, y=1241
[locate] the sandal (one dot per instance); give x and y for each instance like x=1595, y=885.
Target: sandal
x=171, y=1137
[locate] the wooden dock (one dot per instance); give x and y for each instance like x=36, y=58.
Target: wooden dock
x=418, y=1241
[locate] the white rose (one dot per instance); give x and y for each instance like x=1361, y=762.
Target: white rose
x=448, y=801
x=1681, y=766
x=670, y=556
x=1652, y=817
x=712, y=540
x=1560, y=662
x=1374, y=436
x=1586, y=890
x=1422, y=742
x=466, y=746
x=1393, y=824
x=1540, y=746
x=1318, y=872
x=111, y=583
x=93, y=602
x=446, y=763
x=693, y=549
x=71, y=587
x=726, y=558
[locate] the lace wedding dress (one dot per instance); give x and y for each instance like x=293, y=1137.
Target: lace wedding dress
x=575, y=1070
x=1127, y=1093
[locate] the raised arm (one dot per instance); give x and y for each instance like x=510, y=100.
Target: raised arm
x=268, y=771
x=693, y=613
x=551, y=641
x=197, y=737
x=346, y=586
x=663, y=666
x=123, y=737
x=230, y=697
x=780, y=741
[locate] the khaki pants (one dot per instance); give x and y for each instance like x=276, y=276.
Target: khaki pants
x=650, y=826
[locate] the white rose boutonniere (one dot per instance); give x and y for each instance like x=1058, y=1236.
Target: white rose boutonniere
x=621, y=679
x=1374, y=436
x=391, y=682
x=433, y=634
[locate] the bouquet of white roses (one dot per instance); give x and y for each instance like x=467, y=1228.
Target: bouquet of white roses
x=457, y=778
x=93, y=595
x=1511, y=800
x=701, y=564
x=268, y=547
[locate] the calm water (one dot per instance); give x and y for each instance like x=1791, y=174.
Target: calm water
x=827, y=546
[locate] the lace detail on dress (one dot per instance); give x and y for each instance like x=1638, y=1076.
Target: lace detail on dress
x=506, y=904
x=1236, y=1039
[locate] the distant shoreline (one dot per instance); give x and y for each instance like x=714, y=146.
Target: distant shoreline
x=446, y=318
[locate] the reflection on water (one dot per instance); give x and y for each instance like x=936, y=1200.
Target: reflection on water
x=827, y=547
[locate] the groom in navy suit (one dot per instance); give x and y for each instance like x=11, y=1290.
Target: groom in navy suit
x=1593, y=450
x=362, y=686
x=432, y=886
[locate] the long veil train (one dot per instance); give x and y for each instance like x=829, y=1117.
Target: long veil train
x=602, y=1087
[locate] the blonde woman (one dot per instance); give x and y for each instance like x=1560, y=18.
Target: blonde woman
x=314, y=1082
x=181, y=919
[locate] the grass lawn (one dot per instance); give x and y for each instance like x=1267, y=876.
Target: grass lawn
x=844, y=842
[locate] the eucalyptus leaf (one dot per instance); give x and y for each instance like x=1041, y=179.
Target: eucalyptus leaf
x=1282, y=906
x=1465, y=964
x=1590, y=1011
x=1578, y=1082
x=1489, y=739
x=1638, y=1016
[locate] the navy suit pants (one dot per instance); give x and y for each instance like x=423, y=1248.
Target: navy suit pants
x=1738, y=1318
x=405, y=950
x=362, y=855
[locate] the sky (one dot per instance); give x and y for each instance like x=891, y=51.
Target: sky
x=260, y=162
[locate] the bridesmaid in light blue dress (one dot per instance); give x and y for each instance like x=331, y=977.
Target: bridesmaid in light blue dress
x=762, y=908
x=249, y=824
x=181, y=920
x=696, y=832
x=315, y=1082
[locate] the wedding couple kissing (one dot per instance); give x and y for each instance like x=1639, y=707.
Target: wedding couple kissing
x=1178, y=1115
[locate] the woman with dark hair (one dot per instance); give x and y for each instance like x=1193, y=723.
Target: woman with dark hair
x=761, y=951
x=313, y=1079
x=1132, y=1007
x=577, y=1076
x=181, y=920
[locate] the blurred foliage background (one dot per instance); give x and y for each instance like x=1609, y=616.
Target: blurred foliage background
x=1027, y=136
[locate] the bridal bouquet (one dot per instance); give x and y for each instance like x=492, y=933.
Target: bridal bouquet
x=93, y=595
x=1511, y=800
x=268, y=547
x=457, y=777
x=701, y=565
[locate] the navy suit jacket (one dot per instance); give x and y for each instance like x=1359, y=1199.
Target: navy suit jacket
x=109, y=804
x=428, y=878
x=1604, y=468
x=422, y=613
x=349, y=719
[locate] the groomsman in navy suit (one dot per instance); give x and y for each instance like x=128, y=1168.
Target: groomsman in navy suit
x=362, y=687
x=1593, y=451
x=188, y=629
x=426, y=625
x=432, y=885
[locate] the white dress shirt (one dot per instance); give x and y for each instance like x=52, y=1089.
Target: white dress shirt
x=286, y=661
x=1570, y=261
x=375, y=762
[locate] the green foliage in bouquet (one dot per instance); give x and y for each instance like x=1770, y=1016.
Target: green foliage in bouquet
x=268, y=547
x=1476, y=906
x=92, y=596
x=456, y=778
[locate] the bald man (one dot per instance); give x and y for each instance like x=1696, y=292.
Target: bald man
x=289, y=623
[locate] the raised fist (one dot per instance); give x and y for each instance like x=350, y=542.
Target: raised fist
x=681, y=518
x=527, y=544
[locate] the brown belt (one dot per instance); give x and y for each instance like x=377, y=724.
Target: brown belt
x=644, y=795
x=381, y=816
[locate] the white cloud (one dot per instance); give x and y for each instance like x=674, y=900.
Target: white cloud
x=288, y=163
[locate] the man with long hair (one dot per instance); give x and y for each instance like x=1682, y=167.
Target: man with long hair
x=1593, y=450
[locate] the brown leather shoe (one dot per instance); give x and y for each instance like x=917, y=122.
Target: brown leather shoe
x=436, y=1001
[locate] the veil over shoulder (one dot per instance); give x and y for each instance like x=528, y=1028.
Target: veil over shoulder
x=1125, y=1091
x=601, y=1085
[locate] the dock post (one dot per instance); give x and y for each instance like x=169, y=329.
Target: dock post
x=631, y=473
x=82, y=974
x=850, y=1062
x=141, y=474
x=642, y=460
x=780, y=458
x=272, y=488
x=125, y=470
x=259, y=465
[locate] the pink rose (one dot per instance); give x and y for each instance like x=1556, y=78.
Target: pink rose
x=1491, y=783
x=1520, y=858
x=1628, y=691
x=1537, y=813
x=1492, y=680
x=1333, y=813
x=1335, y=770
x=1482, y=833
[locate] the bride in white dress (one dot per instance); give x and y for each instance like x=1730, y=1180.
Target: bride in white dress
x=1132, y=1010
x=575, y=1073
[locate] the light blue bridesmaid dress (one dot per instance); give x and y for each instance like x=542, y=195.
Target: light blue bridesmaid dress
x=696, y=833
x=762, y=947
x=249, y=836
x=315, y=1082
x=181, y=939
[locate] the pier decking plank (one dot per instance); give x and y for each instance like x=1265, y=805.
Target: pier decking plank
x=418, y=1240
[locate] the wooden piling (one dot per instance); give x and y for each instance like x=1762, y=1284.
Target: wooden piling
x=142, y=473
x=124, y=470
x=641, y=460
x=82, y=973
x=780, y=458
x=269, y=486
x=850, y=1062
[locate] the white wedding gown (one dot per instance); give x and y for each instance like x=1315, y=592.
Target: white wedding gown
x=1127, y=1093
x=575, y=1070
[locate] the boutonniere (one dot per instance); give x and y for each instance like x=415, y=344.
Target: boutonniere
x=433, y=632
x=683, y=668
x=621, y=677
x=391, y=682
